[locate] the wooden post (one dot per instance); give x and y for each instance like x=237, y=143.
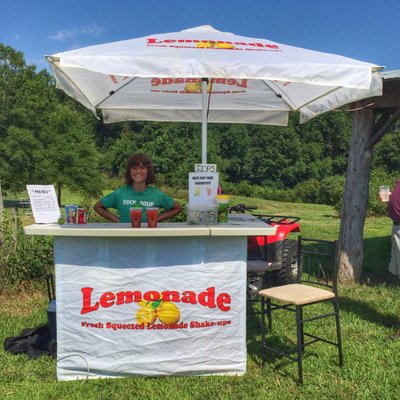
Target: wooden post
x=355, y=198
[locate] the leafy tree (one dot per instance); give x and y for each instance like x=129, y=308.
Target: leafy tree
x=25, y=98
x=273, y=150
x=43, y=137
x=386, y=152
x=234, y=146
x=68, y=156
x=324, y=145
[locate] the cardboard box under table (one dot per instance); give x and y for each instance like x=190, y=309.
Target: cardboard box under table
x=111, y=321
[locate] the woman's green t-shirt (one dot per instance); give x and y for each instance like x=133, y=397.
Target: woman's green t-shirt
x=126, y=197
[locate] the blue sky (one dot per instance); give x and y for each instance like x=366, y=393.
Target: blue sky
x=366, y=30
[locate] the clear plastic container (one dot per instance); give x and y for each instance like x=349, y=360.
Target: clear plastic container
x=202, y=214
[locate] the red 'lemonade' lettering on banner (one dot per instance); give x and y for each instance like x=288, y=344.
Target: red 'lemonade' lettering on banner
x=206, y=298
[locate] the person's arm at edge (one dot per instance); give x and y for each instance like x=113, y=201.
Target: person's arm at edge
x=103, y=212
x=176, y=209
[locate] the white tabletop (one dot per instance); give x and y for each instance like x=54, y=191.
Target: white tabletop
x=117, y=230
x=242, y=225
x=238, y=225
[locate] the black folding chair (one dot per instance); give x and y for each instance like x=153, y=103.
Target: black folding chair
x=316, y=283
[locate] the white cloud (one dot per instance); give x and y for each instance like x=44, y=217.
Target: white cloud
x=92, y=30
x=89, y=30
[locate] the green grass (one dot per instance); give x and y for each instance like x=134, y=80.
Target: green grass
x=370, y=317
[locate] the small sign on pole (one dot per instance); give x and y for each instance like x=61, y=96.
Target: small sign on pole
x=205, y=167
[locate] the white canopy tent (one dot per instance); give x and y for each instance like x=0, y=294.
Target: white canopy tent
x=202, y=74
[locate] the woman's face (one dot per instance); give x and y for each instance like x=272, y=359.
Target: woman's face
x=139, y=174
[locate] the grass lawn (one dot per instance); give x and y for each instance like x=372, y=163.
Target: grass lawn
x=370, y=317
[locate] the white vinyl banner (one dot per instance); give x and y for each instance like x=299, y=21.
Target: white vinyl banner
x=150, y=306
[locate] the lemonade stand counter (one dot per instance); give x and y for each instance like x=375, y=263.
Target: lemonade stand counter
x=158, y=301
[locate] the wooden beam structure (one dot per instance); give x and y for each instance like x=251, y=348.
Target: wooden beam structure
x=372, y=119
x=386, y=107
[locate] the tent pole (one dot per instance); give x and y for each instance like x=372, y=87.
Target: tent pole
x=204, y=83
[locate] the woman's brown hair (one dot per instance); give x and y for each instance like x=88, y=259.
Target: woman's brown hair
x=139, y=159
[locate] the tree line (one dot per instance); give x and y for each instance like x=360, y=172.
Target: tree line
x=48, y=138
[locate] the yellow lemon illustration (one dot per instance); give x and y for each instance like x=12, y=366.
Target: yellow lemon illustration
x=193, y=87
x=146, y=315
x=225, y=45
x=168, y=313
x=205, y=45
x=196, y=87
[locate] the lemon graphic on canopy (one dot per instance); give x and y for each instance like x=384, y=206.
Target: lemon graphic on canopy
x=205, y=45
x=225, y=45
x=168, y=313
x=193, y=87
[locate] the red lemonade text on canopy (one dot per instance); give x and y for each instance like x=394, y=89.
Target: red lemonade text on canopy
x=151, y=41
x=222, y=81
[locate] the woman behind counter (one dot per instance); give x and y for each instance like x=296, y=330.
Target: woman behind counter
x=136, y=193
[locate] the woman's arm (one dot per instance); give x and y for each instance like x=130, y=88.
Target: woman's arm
x=176, y=209
x=102, y=211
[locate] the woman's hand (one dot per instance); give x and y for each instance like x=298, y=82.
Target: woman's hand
x=176, y=209
x=102, y=211
x=384, y=198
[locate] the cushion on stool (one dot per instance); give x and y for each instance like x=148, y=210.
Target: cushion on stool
x=297, y=294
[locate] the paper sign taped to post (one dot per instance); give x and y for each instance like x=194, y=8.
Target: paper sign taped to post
x=203, y=187
x=44, y=203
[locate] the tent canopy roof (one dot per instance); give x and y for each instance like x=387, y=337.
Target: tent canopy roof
x=251, y=80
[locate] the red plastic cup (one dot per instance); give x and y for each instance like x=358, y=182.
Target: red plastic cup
x=152, y=216
x=136, y=217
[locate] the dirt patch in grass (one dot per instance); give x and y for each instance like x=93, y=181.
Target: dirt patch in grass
x=20, y=302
